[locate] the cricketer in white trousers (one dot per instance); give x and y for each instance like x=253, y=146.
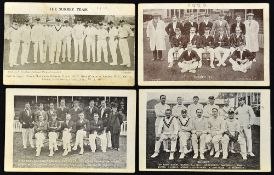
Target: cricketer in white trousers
x=25, y=38
x=66, y=140
x=218, y=51
x=174, y=53
x=78, y=38
x=243, y=67
x=103, y=141
x=91, y=33
x=200, y=52
x=14, y=36
x=53, y=141
x=113, y=43
x=109, y=145
x=55, y=51
x=66, y=43
x=102, y=45
x=80, y=134
x=188, y=65
x=27, y=134
x=38, y=37
x=40, y=137
x=123, y=33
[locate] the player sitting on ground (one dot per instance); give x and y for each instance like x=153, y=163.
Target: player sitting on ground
x=189, y=60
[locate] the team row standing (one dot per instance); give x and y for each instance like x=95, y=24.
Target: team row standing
x=204, y=126
x=91, y=122
x=58, y=37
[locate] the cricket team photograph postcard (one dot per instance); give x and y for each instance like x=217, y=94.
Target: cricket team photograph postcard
x=204, y=130
x=203, y=44
x=63, y=130
x=88, y=44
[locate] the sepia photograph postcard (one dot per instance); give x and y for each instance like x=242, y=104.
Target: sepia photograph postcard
x=206, y=130
x=65, y=130
x=203, y=44
x=80, y=44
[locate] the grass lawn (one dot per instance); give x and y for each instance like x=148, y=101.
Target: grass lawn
x=159, y=71
x=234, y=161
x=67, y=65
x=25, y=158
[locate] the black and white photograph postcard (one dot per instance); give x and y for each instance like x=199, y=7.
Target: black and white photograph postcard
x=204, y=130
x=69, y=44
x=203, y=44
x=63, y=130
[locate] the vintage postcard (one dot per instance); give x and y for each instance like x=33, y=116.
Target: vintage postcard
x=65, y=130
x=205, y=130
x=81, y=44
x=203, y=44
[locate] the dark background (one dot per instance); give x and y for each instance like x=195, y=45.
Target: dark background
x=2, y=87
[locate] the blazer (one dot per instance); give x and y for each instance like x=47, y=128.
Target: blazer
x=50, y=115
x=82, y=125
x=209, y=41
x=114, y=123
x=38, y=112
x=202, y=27
x=195, y=40
x=216, y=27
x=54, y=126
x=26, y=119
x=98, y=127
x=185, y=57
x=181, y=41
x=234, y=25
x=235, y=41
x=74, y=114
x=170, y=30
x=90, y=114
x=221, y=42
x=40, y=127
x=105, y=116
x=187, y=27
x=246, y=54
x=61, y=114
x=70, y=125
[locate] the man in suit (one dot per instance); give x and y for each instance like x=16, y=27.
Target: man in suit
x=178, y=43
x=189, y=60
x=190, y=23
x=156, y=36
x=75, y=110
x=205, y=24
x=104, y=114
x=238, y=24
x=90, y=110
x=114, y=126
x=172, y=26
x=82, y=128
x=207, y=44
x=97, y=131
x=62, y=110
x=69, y=128
x=168, y=129
x=27, y=120
x=219, y=24
x=241, y=59
x=221, y=47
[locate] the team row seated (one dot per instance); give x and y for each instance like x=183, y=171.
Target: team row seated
x=107, y=129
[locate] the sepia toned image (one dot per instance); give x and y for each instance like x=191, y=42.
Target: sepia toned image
x=205, y=130
x=76, y=44
x=70, y=130
x=204, y=44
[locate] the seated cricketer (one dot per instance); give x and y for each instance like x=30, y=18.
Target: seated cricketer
x=189, y=60
x=208, y=43
x=82, y=127
x=97, y=131
x=68, y=128
x=233, y=134
x=54, y=127
x=168, y=129
x=241, y=59
x=178, y=43
x=40, y=130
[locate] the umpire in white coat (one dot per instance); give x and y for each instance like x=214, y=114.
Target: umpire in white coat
x=252, y=30
x=156, y=35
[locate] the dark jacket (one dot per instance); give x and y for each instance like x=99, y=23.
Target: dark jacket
x=170, y=30
x=105, y=116
x=194, y=40
x=245, y=55
x=186, y=57
x=221, y=42
x=54, y=126
x=74, y=113
x=235, y=41
x=187, y=27
x=50, y=115
x=114, y=123
x=209, y=41
x=82, y=125
x=90, y=113
x=181, y=41
x=234, y=25
x=70, y=125
x=26, y=119
x=40, y=127
x=61, y=114
x=98, y=127
x=202, y=27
